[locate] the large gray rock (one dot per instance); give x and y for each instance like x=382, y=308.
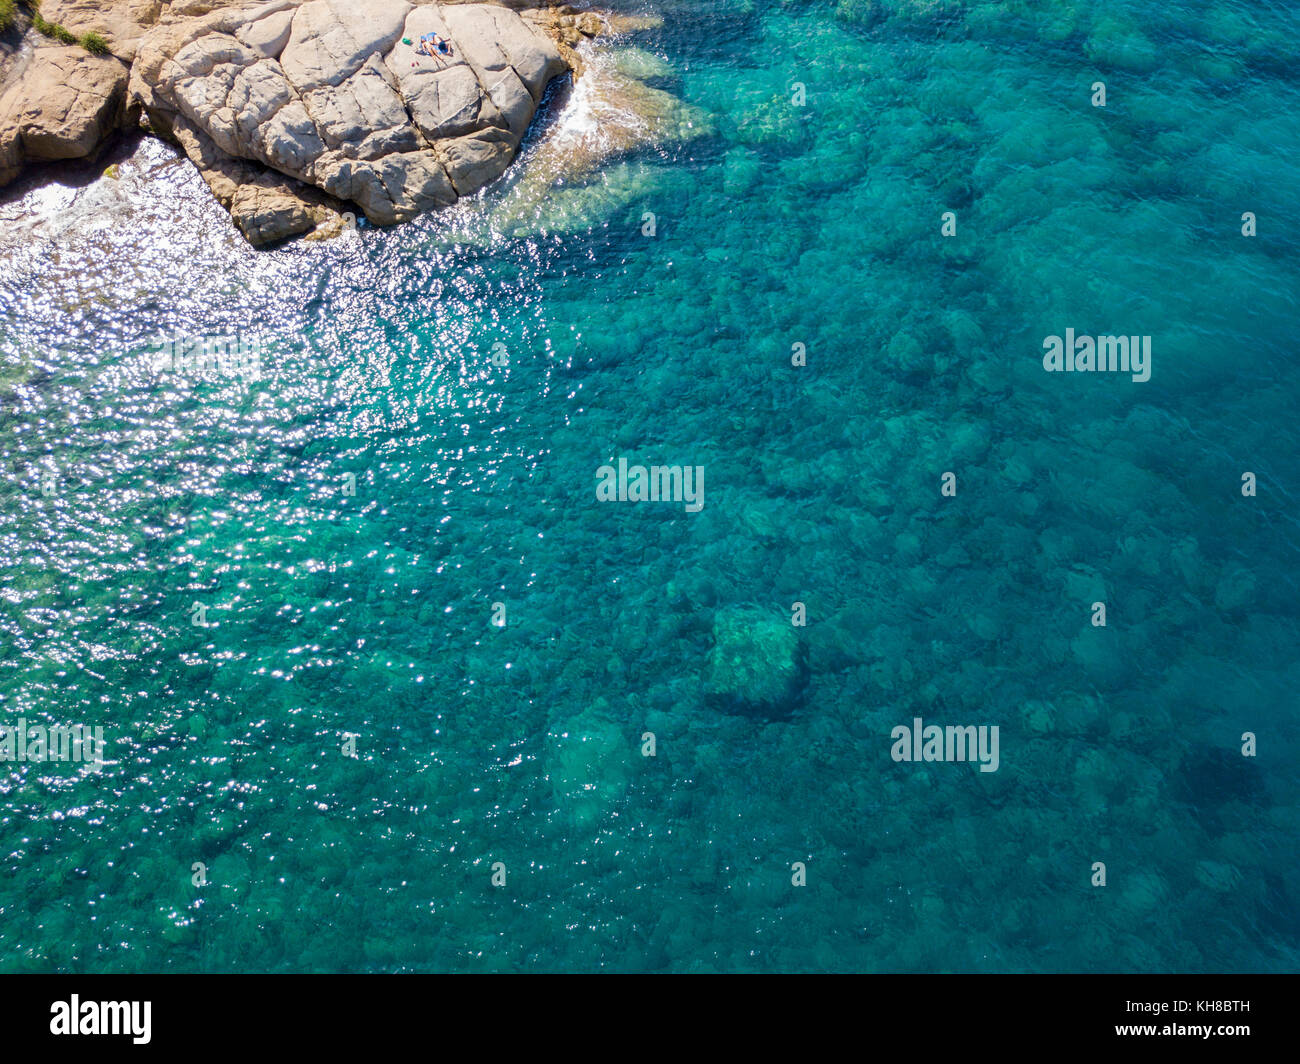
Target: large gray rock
x=293, y=110
x=266, y=206
x=326, y=93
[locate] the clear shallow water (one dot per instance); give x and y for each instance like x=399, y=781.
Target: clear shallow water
x=369, y=614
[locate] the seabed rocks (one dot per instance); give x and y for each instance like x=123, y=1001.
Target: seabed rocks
x=758, y=663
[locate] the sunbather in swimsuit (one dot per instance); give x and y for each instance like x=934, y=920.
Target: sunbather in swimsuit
x=434, y=46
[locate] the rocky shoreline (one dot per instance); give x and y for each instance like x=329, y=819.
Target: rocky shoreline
x=295, y=112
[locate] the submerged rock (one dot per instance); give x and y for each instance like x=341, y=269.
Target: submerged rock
x=758, y=663
x=612, y=113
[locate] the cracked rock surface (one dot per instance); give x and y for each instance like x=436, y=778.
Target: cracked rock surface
x=294, y=110
x=327, y=92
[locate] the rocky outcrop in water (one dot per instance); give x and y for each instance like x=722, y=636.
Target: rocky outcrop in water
x=334, y=94
x=295, y=110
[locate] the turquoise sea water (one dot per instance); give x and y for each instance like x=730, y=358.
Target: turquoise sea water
x=131, y=495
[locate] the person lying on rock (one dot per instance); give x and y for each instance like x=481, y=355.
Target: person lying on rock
x=435, y=46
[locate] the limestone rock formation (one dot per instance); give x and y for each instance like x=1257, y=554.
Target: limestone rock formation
x=296, y=111
x=333, y=94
